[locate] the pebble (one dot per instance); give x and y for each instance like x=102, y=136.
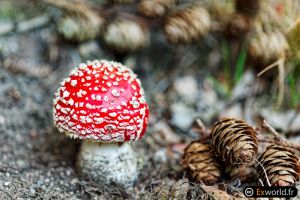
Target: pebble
x=7, y=183
x=2, y=119
x=182, y=116
x=208, y=104
x=234, y=111
x=87, y=49
x=187, y=89
x=244, y=86
x=6, y=27
x=160, y=155
x=32, y=191
x=283, y=121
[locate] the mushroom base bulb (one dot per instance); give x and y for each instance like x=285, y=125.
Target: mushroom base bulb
x=109, y=164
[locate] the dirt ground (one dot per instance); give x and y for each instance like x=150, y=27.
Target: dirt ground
x=38, y=162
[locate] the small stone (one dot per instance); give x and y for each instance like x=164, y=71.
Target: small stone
x=208, y=104
x=182, y=116
x=244, y=86
x=21, y=164
x=2, y=119
x=7, y=183
x=160, y=155
x=234, y=111
x=68, y=172
x=88, y=49
x=186, y=88
x=32, y=191
x=6, y=27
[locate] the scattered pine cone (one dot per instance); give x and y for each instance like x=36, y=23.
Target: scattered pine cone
x=294, y=39
x=238, y=26
x=281, y=165
x=155, y=8
x=125, y=35
x=267, y=47
x=199, y=159
x=247, y=7
x=187, y=25
x=234, y=141
x=78, y=28
x=241, y=172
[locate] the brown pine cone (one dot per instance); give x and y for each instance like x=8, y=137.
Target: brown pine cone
x=238, y=26
x=78, y=28
x=247, y=7
x=294, y=39
x=187, y=25
x=199, y=159
x=155, y=8
x=281, y=166
x=125, y=35
x=234, y=141
x=267, y=47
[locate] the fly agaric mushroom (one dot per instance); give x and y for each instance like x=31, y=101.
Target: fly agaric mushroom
x=103, y=103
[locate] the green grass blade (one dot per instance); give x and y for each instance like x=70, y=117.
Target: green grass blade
x=240, y=65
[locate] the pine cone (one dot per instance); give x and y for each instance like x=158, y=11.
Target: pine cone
x=199, y=159
x=247, y=7
x=125, y=35
x=78, y=28
x=234, y=141
x=281, y=165
x=155, y=8
x=242, y=172
x=187, y=25
x=238, y=26
x=267, y=47
x=294, y=39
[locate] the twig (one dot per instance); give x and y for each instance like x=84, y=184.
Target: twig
x=202, y=130
x=277, y=138
x=265, y=173
x=284, y=142
x=280, y=64
x=267, y=126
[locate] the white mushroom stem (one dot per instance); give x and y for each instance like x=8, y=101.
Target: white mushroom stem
x=108, y=164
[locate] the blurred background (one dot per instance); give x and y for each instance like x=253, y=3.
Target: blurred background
x=197, y=59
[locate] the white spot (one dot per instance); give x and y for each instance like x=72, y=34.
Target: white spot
x=103, y=89
x=66, y=94
x=98, y=120
x=133, y=87
x=88, y=106
x=71, y=102
x=82, y=66
x=98, y=97
x=89, y=120
x=115, y=93
x=73, y=83
x=113, y=114
x=105, y=98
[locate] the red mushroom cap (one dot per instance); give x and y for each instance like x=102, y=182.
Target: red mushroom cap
x=101, y=101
